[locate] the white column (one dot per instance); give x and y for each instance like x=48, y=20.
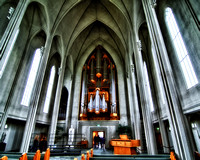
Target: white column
x=137, y=121
x=161, y=99
x=181, y=141
x=12, y=27
x=30, y=122
x=55, y=112
x=148, y=125
x=67, y=121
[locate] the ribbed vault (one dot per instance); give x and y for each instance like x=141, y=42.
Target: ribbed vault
x=84, y=23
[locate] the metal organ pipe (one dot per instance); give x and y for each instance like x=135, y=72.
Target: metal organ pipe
x=105, y=68
x=83, y=108
x=92, y=71
x=97, y=102
x=90, y=104
x=104, y=104
x=113, y=90
x=98, y=63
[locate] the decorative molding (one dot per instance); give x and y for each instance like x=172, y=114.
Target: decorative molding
x=153, y=3
x=42, y=49
x=139, y=45
x=132, y=68
x=10, y=12
x=59, y=70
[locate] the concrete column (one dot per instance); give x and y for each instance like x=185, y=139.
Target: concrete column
x=136, y=106
x=12, y=27
x=148, y=125
x=54, y=119
x=68, y=120
x=179, y=130
x=30, y=122
x=161, y=99
x=133, y=101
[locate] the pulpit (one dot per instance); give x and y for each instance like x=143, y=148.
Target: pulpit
x=125, y=146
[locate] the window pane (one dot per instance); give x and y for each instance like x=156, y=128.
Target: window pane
x=181, y=50
x=31, y=78
x=49, y=90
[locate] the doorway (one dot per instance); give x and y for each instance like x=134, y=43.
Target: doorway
x=158, y=138
x=98, y=137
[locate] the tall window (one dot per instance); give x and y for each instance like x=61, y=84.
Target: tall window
x=4, y=58
x=181, y=50
x=49, y=90
x=31, y=78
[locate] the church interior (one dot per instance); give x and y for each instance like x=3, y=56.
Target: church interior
x=73, y=69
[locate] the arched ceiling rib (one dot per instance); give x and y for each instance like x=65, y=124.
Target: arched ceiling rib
x=94, y=32
x=80, y=23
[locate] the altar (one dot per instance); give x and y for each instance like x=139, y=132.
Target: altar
x=125, y=146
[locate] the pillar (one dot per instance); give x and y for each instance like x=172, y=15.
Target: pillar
x=182, y=145
x=12, y=27
x=31, y=118
x=148, y=125
x=54, y=119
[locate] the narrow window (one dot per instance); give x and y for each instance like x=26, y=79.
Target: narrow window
x=49, y=90
x=148, y=87
x=5, y=57
x=183, y=57
x=31, y=78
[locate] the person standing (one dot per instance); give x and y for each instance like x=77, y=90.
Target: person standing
x=103, y=143
x=95, y=141
x=43, y=144
x=35, y=143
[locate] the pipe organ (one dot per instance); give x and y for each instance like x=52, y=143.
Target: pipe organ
x=99, y=100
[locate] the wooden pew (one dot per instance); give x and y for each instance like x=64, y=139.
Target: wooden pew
x=82, y=157
x=23, y=157
x=172, y=156
x=47, y=154
x=37, y=155
x=4, y=158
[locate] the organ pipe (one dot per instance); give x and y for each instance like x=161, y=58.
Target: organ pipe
x=104, y=104
x=105, y=68
x=90, y=104
x=83, y=91
x=92, y=71
x=113, y=92
x=97, y=102
x=98, y=63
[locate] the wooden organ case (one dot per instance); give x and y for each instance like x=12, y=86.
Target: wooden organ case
x=99, y=93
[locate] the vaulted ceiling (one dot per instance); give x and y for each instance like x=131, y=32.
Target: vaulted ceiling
x=86, y=23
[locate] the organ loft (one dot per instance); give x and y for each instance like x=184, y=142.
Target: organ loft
x=99, y=87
